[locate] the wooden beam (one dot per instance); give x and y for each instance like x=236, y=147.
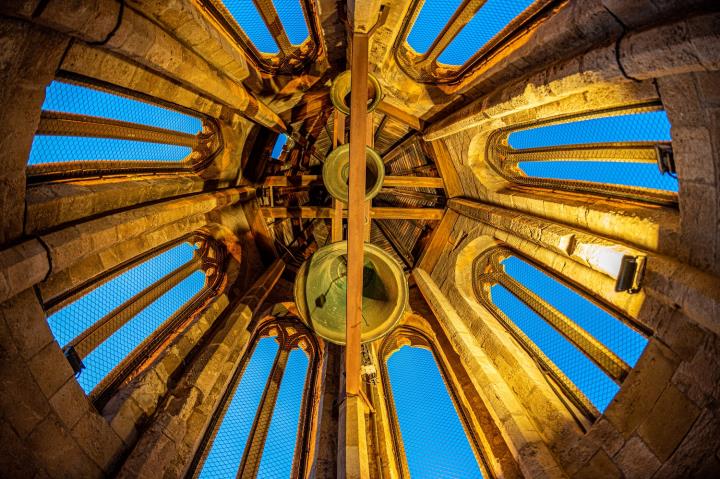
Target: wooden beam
x=391, y=154
x=390, y=181
x=363, y=15
x=399, y=115
x=445, y=165
x=376, y=212
x=336, y=222
x=395, y=213
x=338, y=129
x=438, y=242
x=380, y=127
x=356, y=215
x=414, y=194
x=296, y=212
x=414, y=181
x=298, y=180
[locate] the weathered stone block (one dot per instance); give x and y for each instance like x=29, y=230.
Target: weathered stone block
x=70, y=403
x=26, y=322
x=668, y=422
x=22, y=402
x=642, y=388
x=50, y=369
x=95, y=436
x=56, y=449
x=599, y=467
x=635, y=460
x=21, y=267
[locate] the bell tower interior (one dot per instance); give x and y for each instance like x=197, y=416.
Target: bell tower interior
x=360, y=239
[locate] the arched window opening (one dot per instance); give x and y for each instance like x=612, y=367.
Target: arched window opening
x=430, y=21
x=442, y=40
x=260, y=429
x=422, y=402
x=87, y=130
x=614, y=153
x=586, y=350
x=108, y=327
x=279, y=145
x=489, y=20
x=278, y=35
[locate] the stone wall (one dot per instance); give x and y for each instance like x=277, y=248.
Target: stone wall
x=660, y=424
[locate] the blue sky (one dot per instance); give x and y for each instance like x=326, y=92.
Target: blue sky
x=433, y=437
x=648, y=126
x=487, y=22
x=279, y=143
x=227, y=448
x=291, y=16
x=421, y=411
x=76, y=317
x=68, y=98
x=615, y=335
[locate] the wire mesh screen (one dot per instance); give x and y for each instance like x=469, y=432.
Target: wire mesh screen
x=73, y=319
x=617, y=336
x=433, y=16
x=592, y=381
x=434, y=440
x=107, y=355
x=228, y=445
x=63, y=137
x=248, y=18
x=293, y=20
x=492, y=17
x=592, y=166
x=82, y=100
x=277, y=457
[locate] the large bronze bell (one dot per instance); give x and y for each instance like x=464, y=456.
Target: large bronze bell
x=340, y=92
x=336, y=171
x=321, y=292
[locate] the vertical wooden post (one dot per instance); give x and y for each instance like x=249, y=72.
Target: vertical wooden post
x=353, y=460
x=356, y=213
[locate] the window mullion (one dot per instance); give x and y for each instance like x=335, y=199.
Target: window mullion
x=72, y=124
x=250, y=463
x=546, y=365
x=272, y=20
x=608, y=361
x=91, y=338
x=457, y=22
x=621, y=152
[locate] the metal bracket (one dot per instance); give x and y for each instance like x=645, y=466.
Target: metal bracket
x=632, y=270
x=74, y=359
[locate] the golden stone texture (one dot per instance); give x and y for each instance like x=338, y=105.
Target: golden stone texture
x=62, y=234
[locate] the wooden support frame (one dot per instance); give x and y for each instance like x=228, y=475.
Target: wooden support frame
x=376, y=212
x=390, y=181
x=356, y=214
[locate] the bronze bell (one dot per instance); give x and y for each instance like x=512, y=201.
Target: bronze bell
x=321, y=292
x=340, y=92
x=336, y=171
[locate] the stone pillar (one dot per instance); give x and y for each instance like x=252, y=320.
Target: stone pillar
x=170, y=443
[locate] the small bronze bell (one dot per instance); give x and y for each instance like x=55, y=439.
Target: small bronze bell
x=340, y=92
x=321, y=292
x=336, y=171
